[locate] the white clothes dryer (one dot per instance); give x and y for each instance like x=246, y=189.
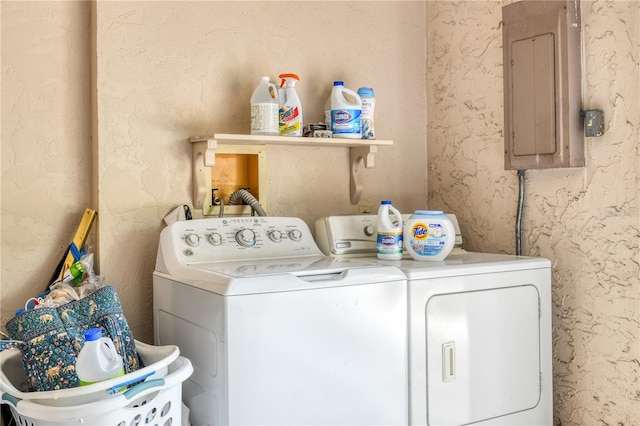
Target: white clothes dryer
x=277, y=332
x=479, y=330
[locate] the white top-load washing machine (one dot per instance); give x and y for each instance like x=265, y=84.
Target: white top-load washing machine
x=277, y=332
x=479, y=329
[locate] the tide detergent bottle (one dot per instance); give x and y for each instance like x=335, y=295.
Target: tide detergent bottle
x=430, y=235
x=290, y=113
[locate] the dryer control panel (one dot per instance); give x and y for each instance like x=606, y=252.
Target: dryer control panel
x=356, y=235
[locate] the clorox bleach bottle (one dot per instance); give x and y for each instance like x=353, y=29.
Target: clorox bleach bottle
x=430, y=235
x=346, y=107
x=98, y=359
x=264, y=109
x=389, y=245
x=290, y=113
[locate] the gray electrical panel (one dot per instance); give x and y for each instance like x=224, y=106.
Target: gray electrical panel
x=542, y=85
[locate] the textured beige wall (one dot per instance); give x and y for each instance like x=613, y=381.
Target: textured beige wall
x=585, y=220
x=46, y=141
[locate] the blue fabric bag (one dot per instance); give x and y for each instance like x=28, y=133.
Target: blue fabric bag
x=50, y=339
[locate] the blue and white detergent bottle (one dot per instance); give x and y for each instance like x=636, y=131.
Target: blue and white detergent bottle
x=389, y=245
x=346, y=107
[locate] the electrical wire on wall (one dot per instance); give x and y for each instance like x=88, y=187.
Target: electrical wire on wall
x=519, y=214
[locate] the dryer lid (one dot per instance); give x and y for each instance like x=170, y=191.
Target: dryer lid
x=470, y=263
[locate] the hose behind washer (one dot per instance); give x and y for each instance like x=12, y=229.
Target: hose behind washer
x=244, y=195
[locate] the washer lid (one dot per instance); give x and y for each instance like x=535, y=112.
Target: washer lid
x=285, y=274
x=255, y=268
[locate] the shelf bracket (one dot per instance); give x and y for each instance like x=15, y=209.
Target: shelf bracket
x=359, y=156
x=203, y=158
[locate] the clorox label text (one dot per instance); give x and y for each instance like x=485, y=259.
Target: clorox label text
x=342, y=116
x=388, y=240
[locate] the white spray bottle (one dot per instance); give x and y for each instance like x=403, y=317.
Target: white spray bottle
x=290, y=113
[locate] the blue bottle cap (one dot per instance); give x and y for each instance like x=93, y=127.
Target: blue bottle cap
x=365, y=91
x=92, y=334
x=385, y=202
x=338, y=83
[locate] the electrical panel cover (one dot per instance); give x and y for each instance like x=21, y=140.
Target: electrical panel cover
x=542, y=85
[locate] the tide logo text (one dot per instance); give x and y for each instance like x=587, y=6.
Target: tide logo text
x=420, y=231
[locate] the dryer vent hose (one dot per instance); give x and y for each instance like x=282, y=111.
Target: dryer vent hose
x=244, y=195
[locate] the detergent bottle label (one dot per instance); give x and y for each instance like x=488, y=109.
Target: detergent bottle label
x=389, y=243
x=289, y=120
x=345, y=121
x=264, y=118
x=427, y=239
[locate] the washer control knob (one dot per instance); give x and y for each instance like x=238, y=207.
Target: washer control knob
x=215, y=239
x=295, y=234
x=246, y=237
x=192, y=239
x=275, y=236
x=369, y=231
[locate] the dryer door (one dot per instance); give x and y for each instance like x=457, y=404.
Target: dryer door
x=483, y=354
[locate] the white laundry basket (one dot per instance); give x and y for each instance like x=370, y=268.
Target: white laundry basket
x=156, y=401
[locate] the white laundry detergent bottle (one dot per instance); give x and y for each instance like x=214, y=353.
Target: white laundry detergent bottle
x=98, y=359
x=346, y=107
x=389, y=245
x=290, y=112
x=429, y=235
x=264, y=109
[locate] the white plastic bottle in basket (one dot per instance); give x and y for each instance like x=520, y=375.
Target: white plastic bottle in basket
x=98, y=359
x=389, y=246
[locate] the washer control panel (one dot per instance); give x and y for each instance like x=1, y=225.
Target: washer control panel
x=237, y=238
